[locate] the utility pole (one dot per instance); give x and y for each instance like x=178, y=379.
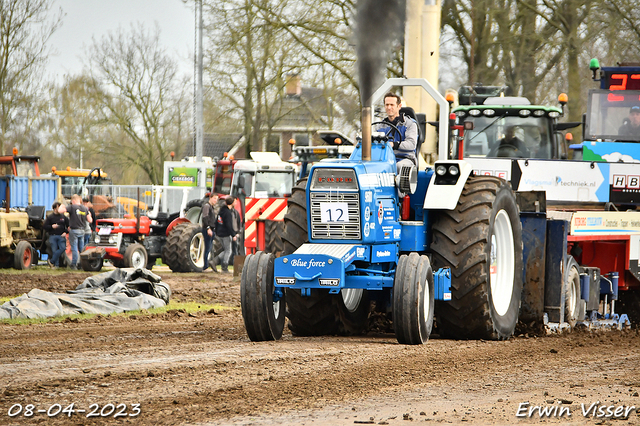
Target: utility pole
x=199, y=94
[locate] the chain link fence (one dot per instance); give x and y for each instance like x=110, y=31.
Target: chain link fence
x=117, y=201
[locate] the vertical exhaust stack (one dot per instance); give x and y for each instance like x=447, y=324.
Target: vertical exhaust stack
x=379, y=27
x=366, y=133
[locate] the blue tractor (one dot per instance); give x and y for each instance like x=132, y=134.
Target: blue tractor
x=360, y=235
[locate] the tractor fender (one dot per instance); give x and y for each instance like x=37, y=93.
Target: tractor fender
x=444, y=191
x=175, y=222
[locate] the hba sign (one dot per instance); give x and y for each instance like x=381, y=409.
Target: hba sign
x=183, y=176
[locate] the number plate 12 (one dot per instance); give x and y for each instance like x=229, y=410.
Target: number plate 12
x=334, y=212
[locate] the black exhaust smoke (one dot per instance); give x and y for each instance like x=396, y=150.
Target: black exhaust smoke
x=379, y=26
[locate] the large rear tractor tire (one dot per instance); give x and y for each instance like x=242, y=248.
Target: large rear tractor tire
x=572, y=299
x=184, y=250
x=23, y=257
x=320, y=313
x=263, y=317
x=273, y=232
x=481, y=241
x=170, y=250
x=135, y=256
x=413, y=299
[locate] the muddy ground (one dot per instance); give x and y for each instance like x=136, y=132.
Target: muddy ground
x=202, y=369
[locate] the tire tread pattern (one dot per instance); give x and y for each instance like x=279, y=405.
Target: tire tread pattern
x=176, y=251
x=461, y=241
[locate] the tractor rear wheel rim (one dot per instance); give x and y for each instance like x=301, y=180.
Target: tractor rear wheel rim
x=573, y=296
x=502, y=263
x=425, y=299
x=196, y=249
x=276, y=309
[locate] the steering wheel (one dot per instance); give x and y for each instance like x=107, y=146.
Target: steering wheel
x=393, y=128
x=90, y=179
x=508, y=150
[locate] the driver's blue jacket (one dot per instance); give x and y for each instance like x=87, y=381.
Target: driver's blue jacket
x=404, y=146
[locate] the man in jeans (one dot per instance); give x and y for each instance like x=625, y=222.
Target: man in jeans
x=208, y=228
x=224, y=231
x=78, y=218
x=57, y=226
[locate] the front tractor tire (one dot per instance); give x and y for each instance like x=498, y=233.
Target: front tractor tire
x=320, y=313
x=413, y=299
x=93, y=265
x=135, y=256
x=263, y=315
x=23, y=257
x=481, y=241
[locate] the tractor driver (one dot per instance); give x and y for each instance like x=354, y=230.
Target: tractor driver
x=631, y=125
x=404, y=144
x=509, y=146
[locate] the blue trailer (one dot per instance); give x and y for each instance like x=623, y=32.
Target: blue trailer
x=24, y=197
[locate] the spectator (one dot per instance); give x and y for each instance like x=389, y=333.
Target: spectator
x=224, y=231
x=57, y=226
x=78, y=217
x=91, y=226
x=208, y=228
x=238, y=230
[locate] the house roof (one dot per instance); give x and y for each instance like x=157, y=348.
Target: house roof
x=308, y=110
x=215, y=145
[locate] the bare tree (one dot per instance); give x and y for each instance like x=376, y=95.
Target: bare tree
x=75, y=120
x=25, y=29
x=248, y=59
x=142, y=96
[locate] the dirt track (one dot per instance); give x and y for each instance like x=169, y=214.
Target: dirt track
x=202, y=369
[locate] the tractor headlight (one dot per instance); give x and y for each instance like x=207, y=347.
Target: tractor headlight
x=447, y=174
x=96, y=239
x=113, y=239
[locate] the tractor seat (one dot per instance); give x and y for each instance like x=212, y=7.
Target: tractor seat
x=35, y=212
x=409, y=112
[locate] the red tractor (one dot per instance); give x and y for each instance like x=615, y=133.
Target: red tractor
x=136, y=242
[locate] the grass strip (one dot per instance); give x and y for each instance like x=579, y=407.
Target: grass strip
x=185, y=307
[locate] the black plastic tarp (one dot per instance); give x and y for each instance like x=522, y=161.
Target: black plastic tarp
x=120, y=290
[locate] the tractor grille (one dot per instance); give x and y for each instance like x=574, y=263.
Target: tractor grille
x=335, y=231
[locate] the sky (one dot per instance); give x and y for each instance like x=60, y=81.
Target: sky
x=84, y=19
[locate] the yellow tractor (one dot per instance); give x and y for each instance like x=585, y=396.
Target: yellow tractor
x=24, y=195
